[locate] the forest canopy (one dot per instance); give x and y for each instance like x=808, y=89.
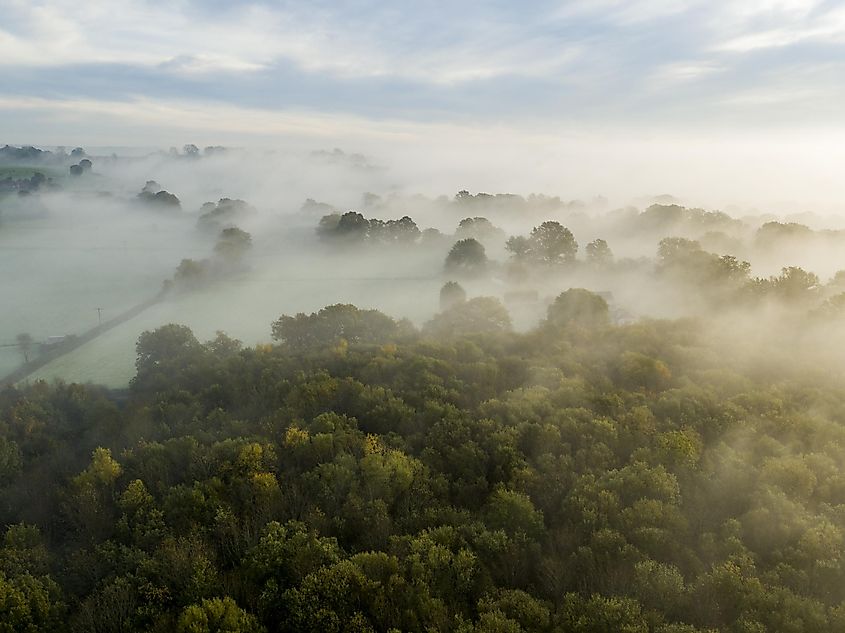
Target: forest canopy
x=365, y=475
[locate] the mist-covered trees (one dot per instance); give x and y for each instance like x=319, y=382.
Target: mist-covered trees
x=352, y=228
x=479, y=315
x=231, y=249
x=339, y=324
x=578, y=307
x=80, y=168
x=152, y=195
x=598, y=253
x=552, y=243
x=549, y=244
x=225, y=213
x=481, y=229
x=451, y=294
x=232, y=245
x=467, y=258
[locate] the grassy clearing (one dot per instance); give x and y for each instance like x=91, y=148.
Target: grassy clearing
x=20, y=171
x=243, y=309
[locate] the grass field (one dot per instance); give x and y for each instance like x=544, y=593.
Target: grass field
x=19, y=171
x=243, y=309
x=58, y=270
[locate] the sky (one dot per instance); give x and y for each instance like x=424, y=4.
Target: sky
x=627, y=80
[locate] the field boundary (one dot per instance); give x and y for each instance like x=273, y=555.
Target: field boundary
x=75, y=342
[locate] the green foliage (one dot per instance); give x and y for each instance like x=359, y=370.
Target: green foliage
x=583, y=476
x=467, y=258
x=232, y=244
x=480, y=315
x=352, y=228
x=577, y=307
x=217, y=616
x=552, y=243
x=333, y=324
x=451, y=294
x=599, y=253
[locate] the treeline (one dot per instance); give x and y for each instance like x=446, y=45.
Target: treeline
x=363, y=475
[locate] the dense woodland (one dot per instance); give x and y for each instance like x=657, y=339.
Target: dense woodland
x=363, y=475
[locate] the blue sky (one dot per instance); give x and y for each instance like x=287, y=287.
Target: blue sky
x=683, y=64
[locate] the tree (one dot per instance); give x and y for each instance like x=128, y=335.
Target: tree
x=332, y=324
x=795, y=284
x=233, y=244
x=191, y=150
x=11, y=460
x=599, y=614
x=553, y=243
x=161, y=199
x=433, y=238
x=352, y=227
x=451, y=294
x=327, y=226
x=519, y=246
x=223, y=345
x=25, y=342
x=479, y=228
x=403, y=230
x=599, y=253
x=152, y=187
x=673, y=249
x=85, y=164
x=480, y=315
x=514, y=513
x=168, y=348
x=217, y=615
x=577, y=306
x=92, y=495
x=191, y=273
x=224, y=214
x=467, y=258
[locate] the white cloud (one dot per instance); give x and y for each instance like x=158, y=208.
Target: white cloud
x=182, y=38
x=626, y=12
x=685, y=71
x=766, y=25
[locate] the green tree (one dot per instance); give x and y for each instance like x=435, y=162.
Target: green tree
x=451, y=294
x=167, y=345
x=467, y=258
x=479, y=315
x=333, y=324
x=577, y=306
x=553, y=243
x=232, y=245
x=217, y=615
x=599, y=253
x=519, y=247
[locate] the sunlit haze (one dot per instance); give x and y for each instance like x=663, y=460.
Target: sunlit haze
x=715, y=102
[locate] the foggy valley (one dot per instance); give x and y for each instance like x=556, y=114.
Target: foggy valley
x=349, y=317
x=80, y=250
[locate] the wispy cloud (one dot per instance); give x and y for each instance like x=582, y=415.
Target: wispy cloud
x=484, y=61
x=353, y=43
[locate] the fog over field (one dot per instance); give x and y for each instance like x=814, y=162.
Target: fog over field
x=476, y=317
x=91, y=242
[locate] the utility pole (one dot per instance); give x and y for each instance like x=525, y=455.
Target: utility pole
x=99, y=316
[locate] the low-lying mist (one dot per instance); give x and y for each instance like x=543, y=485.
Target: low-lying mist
x=324, y=227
